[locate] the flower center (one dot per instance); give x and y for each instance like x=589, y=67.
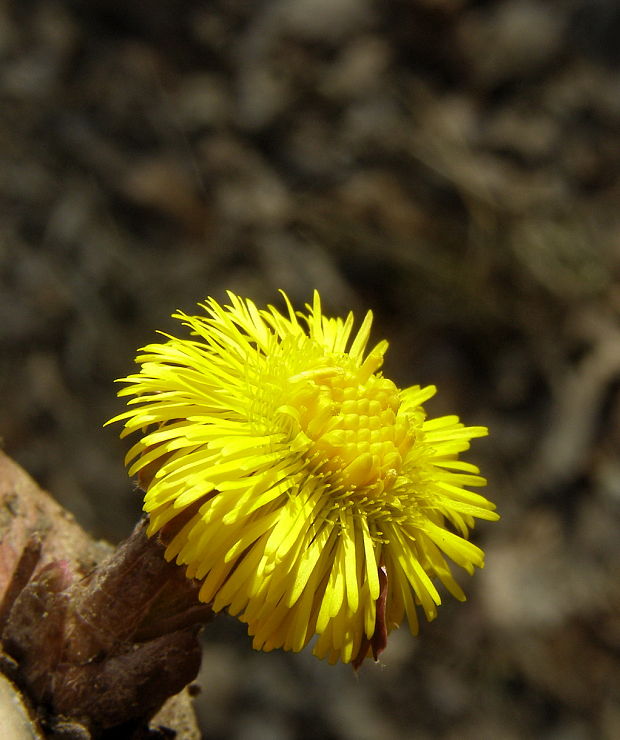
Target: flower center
x=354, y=426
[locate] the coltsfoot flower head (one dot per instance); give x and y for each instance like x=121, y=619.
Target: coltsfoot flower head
x=312, y=496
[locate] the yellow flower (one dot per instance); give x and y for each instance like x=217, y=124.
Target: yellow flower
x=314, y=496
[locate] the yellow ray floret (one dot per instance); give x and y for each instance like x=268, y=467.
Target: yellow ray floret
x=312, y=495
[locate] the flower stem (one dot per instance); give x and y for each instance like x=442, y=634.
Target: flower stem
x=107, y=649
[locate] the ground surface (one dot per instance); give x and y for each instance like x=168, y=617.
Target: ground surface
x=455, y=165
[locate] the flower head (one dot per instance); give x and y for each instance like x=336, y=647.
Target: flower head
x=312, y=496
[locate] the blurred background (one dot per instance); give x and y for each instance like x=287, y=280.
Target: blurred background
x=453, y=165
